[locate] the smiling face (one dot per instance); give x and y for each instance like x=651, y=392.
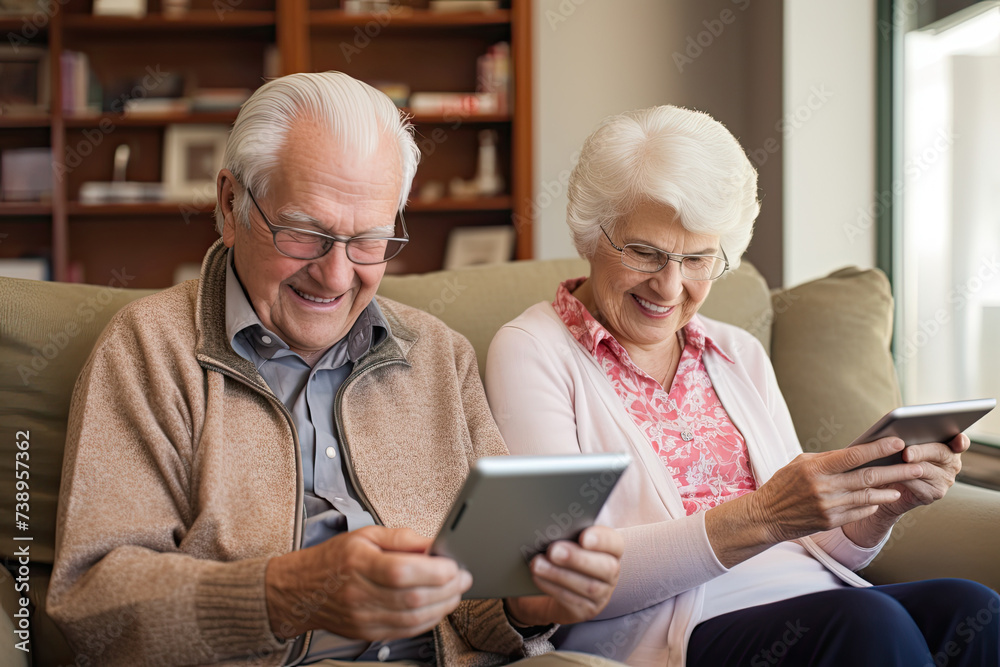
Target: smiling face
x=312, y=304
x=646, y=310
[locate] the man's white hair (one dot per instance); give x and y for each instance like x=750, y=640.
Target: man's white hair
x=357, y=116
x=678, y=157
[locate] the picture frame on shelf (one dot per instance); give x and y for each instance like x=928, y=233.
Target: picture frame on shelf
x=24, y=80
x=472, y=246
x=192, y=158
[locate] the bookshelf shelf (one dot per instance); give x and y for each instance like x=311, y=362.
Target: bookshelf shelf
x=153, y=120
x=25, y=121
x=453, y=119
x=15, y=24
x=118, y=210
x=10, y=209
x=170, y=208
x=198, y=19
x=453, y=204
x=407, y=18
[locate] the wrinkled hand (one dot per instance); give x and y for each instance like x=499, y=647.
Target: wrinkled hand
x=938, y=463
x=577, y=579
x=374, y=583
x=818, y=492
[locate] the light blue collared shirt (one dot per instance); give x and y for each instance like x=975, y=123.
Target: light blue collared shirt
x=331, y=503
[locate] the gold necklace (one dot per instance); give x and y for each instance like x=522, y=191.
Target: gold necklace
x=686, y=434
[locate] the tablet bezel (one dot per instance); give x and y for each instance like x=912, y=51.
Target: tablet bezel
x=930, y=422
x=525, y=503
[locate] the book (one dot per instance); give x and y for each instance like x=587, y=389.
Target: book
x=26, y=174
x=81, y=91
x=27, y=268
x=493, y=74
x=464, y=5
x=462, y=104
x=219, y=99
x=134, y=8
x=154, y=106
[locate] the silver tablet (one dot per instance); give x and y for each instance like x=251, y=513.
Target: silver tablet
x=919, y=424
x=513, y=507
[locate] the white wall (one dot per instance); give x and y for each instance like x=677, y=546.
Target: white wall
x=829, y=178
x=594, y=58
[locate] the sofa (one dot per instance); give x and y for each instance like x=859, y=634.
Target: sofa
x=828, y=340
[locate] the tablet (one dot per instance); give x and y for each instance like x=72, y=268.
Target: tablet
x=513, y=507
x=919, y=424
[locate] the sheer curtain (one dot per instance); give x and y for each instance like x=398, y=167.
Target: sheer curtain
x=948, y=346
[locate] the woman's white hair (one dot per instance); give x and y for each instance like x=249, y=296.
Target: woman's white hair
x=678, y=157
x=357, y=116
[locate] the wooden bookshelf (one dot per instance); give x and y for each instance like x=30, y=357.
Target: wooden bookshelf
x=221, y=44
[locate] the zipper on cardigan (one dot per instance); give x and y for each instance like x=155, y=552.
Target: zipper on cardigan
x=300, y=507
x=338, y=417
x=300, y=522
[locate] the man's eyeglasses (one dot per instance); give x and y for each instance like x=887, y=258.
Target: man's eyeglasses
x=307, y=244
x=647, y=259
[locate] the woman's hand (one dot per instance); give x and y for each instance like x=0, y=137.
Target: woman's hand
x=577, y=579
x=813, y=493
x=939, y=464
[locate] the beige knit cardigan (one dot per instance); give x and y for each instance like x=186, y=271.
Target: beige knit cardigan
x=182, y=478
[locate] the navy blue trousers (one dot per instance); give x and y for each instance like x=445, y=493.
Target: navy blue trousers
x=934, y=623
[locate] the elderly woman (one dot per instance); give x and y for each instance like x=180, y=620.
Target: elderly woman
x=740, y=549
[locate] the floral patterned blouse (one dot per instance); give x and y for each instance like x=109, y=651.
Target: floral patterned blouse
x=688, y=427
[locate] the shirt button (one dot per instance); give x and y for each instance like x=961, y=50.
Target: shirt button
x=331, y=452
x=383, y=654
x=266, y=340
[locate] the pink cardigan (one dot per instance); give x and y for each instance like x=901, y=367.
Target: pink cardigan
x=549, y=396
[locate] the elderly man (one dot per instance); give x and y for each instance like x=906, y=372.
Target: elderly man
x=256, y=459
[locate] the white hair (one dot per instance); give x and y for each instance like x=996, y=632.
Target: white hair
x=357, y=116
x=678, y=157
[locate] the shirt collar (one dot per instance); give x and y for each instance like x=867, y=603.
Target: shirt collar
x=591, y=333
x=367, y=331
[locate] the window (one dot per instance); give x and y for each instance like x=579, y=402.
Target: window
x=946, y=265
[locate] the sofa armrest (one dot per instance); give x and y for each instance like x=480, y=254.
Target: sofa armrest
x=954, y=537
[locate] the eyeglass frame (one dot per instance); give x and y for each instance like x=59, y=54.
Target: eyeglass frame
x=671, y=256
x=274, y=229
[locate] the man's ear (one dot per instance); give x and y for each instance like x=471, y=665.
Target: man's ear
x=225, y=187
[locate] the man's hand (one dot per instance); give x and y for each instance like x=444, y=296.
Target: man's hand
x=577, y=579
x=939, y=464
x=374, y=583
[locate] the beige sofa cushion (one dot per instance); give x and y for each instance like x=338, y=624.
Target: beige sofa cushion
x=954, y=537
x=46, y=333
x=830, y=350
x=477, y=301
x=741, y=297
